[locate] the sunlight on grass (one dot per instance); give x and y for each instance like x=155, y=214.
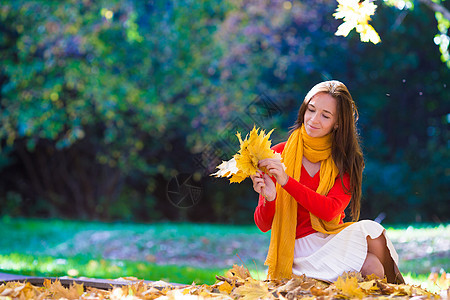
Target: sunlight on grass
x=54, y=248
x=42, y=266
x=424, y=281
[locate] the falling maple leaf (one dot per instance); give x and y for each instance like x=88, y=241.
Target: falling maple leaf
x=255, y=147
x=357, y=15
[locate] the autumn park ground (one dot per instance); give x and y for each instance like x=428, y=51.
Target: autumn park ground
x=181, y=252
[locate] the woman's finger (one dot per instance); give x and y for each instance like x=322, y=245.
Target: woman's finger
x=263, y=193
x=267, y=161
x=273, y=170
x=270, y=166
x=258, y=184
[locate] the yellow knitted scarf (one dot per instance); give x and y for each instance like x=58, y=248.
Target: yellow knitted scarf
x=282, y=241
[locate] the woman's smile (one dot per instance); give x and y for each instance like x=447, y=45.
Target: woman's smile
x=312, y=127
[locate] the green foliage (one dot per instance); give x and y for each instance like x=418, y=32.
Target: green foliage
x=442, y=38
x=109, y=83
x=81, y=74
x=103, y=102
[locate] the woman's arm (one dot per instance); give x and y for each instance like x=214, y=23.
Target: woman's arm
x=264, y=213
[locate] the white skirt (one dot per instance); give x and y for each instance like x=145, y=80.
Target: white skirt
x=326, y=257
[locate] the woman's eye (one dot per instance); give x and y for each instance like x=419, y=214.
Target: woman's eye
x=326, y=117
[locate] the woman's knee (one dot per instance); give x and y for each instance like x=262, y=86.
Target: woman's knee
x=372, y=265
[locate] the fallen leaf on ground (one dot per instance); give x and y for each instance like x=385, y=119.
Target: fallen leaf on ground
x=349, y=287
x=238, y=272
x=253, y=290
x=237, y=283
x=58, y=291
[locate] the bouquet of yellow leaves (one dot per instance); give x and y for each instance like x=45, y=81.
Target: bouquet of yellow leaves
x=254, y=148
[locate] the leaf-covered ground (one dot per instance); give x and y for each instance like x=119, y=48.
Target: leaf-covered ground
x=236, y=284
x=422, y=250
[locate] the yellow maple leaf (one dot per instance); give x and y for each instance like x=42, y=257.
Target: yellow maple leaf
x=349, y=287
x=238, y=272
x=369, y=287
x=225, y=287
x=385, y=288
x=253, y=290
x=356, y=15
x=318, y=292
x=255, y=147
x=238, y=177
x=368, y=33
x=58, y=291
x=403, y=290
x=17, y=290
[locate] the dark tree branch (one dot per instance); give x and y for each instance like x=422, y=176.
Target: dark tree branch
x=437, y=8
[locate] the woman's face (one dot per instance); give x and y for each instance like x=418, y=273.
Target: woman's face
x=320, y=115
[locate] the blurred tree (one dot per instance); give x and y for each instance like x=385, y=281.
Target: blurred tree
x=442, y=15
x=102, y=103
x=64, y=96
x=93, y=95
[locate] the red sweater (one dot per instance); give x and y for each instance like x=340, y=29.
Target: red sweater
x=325, y=207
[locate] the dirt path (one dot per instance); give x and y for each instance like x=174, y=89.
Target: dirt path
x=423, y=248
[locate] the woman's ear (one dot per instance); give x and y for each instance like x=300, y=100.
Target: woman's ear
x=336, y=126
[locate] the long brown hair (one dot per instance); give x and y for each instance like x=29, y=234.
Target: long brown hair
x=346, y=149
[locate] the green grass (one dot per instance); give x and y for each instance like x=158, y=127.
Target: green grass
x=54, y=248
x=29, y=245
x=37, y=236
x=45, y=266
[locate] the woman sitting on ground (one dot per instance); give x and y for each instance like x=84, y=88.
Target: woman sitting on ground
x=303, y=205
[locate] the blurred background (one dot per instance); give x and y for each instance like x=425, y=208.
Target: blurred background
x=118, y=111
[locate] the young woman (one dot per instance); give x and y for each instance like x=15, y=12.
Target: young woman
x=303, y=204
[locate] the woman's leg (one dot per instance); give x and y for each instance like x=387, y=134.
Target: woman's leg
x=377, y=247
x=372, y=265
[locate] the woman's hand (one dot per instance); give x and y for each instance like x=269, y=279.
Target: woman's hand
x=274, y=168
x=264, y=185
